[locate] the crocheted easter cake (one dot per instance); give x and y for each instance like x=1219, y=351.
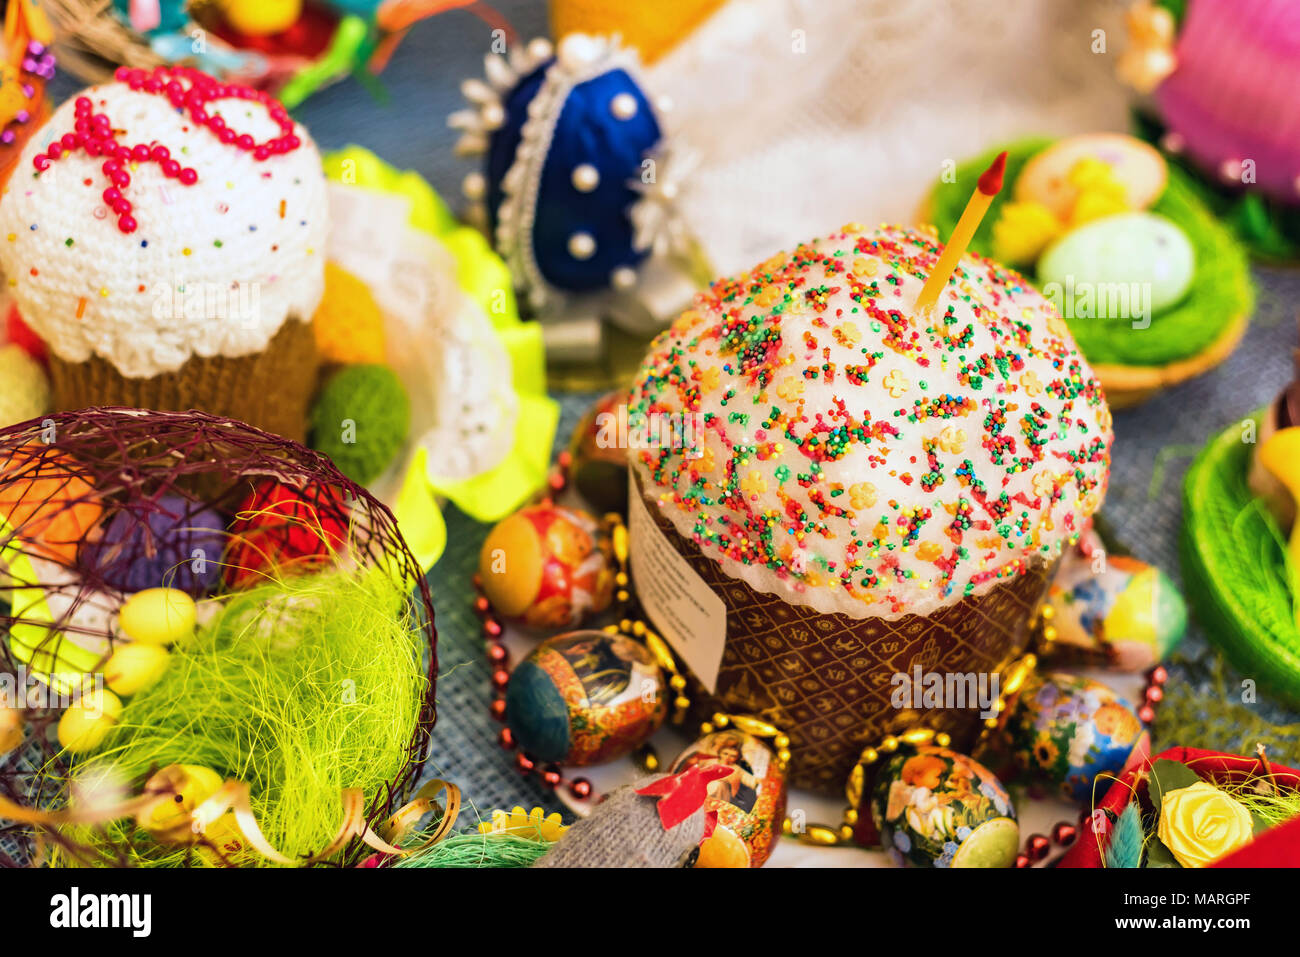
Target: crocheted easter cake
x=862, y=490
x=165, y=236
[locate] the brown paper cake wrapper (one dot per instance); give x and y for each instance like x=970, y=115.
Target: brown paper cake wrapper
x=270, y=389
x=825, y=679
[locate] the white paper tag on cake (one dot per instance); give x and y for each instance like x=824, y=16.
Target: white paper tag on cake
x=680, y=605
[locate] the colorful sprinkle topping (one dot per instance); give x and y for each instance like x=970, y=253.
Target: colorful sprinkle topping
x=869, y=459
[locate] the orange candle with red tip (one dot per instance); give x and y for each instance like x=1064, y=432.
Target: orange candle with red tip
x=989, y=185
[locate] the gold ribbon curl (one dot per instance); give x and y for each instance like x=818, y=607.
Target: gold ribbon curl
x=235, y=796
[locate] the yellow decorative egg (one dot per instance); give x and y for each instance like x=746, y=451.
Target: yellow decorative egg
x=547, y=567
x=158, y=616
x=1115, y=609
x=86, y=724
x=134, y=667
x=221, y=843
x=190, y=785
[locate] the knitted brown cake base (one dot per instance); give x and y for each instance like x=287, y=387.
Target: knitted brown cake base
x=270, y=389
x=827, y=680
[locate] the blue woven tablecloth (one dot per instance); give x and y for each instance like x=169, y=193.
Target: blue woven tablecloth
x=1154, y=443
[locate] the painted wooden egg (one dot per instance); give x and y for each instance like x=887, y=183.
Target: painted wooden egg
x=1115, y=607
x=586, y=697
x=598, y=447
x=547, y=567
x=1066, y=730
x=1102, y=267
x=1138, y=167
x=750, y=802
x=934, y=807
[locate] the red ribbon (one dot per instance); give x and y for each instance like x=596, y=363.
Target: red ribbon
x=681, y=795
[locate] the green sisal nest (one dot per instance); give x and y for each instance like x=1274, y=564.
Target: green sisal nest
x=1239, y=576
x=1220, y=293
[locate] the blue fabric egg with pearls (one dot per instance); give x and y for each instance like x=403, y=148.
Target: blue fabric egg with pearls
x=566, y=144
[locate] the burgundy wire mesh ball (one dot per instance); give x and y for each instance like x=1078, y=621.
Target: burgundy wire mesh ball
x=100, y=504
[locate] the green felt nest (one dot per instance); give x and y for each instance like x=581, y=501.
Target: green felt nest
x=1221, y=291
x=1236, y=567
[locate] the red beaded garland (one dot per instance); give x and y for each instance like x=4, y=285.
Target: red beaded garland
x=93, y=132
x=551, y=776
x=1064, y=833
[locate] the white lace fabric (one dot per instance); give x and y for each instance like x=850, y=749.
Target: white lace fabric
x=806, y=114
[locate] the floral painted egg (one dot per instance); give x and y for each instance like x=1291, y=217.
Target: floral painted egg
x=586, y=697
x=1066, y=730
x=1119, y=609
x=934, y=807
x=547, y=567
x=750, y=801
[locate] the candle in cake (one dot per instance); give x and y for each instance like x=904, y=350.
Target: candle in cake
x=990, y=184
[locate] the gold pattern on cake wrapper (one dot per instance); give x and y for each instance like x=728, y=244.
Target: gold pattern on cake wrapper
x=776, y=653
x=235, y=796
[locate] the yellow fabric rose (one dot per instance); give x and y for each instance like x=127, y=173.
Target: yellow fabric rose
x=1200, y=824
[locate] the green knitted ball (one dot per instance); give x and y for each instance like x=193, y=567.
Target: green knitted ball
x=360, y=420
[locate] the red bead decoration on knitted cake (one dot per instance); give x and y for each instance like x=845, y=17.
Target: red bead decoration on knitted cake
x=279, y=529
x=190, y=91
